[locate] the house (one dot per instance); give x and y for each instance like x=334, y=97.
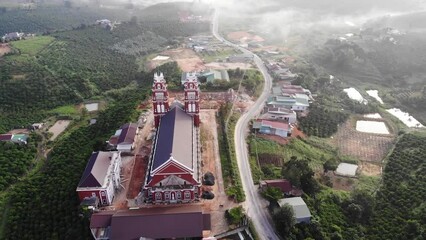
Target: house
x=205, y=76
x=272, y=128
x=183, y=222
x=36, y=126
x=101, y=178
x=12, y=36
x=279, y=114
x=15, y=138
x=6, y=137
x=124, y=138
x=300, y=209
x=174, y=172
x=284, y=185
x=297, y=102
x=20, y=138
x=212, y=75
x=288, y=89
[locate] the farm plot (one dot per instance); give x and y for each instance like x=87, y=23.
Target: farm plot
x=364, y=146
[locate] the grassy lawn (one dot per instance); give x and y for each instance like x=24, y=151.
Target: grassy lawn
x=65, y=110
x=222, y=55
x=33, y=45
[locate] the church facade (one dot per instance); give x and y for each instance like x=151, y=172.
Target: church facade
x=174, y=171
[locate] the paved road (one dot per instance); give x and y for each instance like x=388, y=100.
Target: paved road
x=255, y=208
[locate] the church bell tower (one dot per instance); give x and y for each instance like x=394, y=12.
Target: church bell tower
x=192, y=98
x=160, y=97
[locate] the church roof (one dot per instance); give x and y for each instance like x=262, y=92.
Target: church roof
x=174, y=139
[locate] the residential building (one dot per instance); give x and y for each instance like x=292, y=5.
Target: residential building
x=300, y=209
x=283, y=184
x=288, y=89
x=12, y=36
x=279, y=114
x=187, y=221
x=206, y=76
x=174, y=166
x=101, y=178
x=297, y=102
x=6, y=137
x=15, y=138
x=212, y=75
x=272, y=128
x=124, y=138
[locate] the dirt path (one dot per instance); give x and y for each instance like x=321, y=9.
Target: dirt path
x=211, y=163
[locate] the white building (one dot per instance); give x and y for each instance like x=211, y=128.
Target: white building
x=300, y=209
x=101, y=178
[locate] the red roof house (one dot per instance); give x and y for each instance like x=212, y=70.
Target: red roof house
x=6, y=137
x=285, y=185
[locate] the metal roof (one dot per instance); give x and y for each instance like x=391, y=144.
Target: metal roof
x=96, y=170
x=299, y=206
x=175, y=139
x=160, y=222
x=128, y=133
x=6, y=137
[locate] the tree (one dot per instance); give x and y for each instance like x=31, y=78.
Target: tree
x=354, y=212
x=300, y=174
x=330, y=165
x=235, y=215
x=272, y=194
x=284, y=220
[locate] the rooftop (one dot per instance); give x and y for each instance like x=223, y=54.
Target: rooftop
x=347, y=169
x=277, y=125
x=6, y=137
x=128, y=133
x=159, y=222
x=96, y=170
x=299, y=206
x=175, y=139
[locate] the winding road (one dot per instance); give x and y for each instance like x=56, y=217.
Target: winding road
x=254, y=205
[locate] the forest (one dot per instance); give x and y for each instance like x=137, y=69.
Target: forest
x=45, y=204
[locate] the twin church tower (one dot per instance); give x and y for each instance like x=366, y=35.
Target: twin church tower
x=160, y=98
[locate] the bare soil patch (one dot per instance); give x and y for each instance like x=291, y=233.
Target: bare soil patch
x=138, y=175
x=58, y=128
x=4, y=49
x=186, y=58
x=343, y=183
x=371, y=169
x=211, y=163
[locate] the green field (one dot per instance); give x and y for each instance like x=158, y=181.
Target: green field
x=65, y=110
x=32, y=46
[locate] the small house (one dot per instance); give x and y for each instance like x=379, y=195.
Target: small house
x=279, y=114
x=272, y=128
x=283, y=184
x=300, y=209
x=101, y=178
x=124, y=139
